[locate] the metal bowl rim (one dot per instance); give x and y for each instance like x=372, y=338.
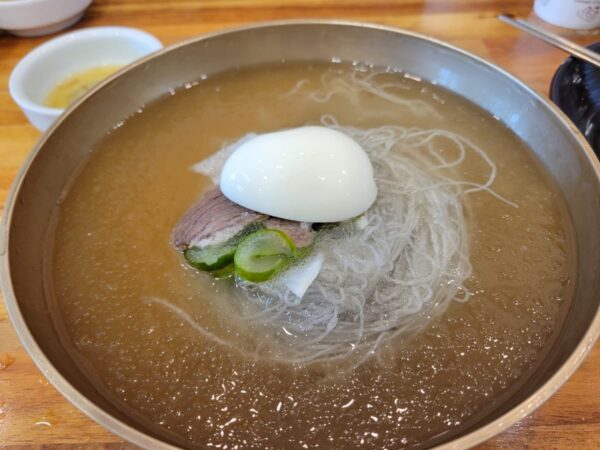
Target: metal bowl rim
x=137, y=437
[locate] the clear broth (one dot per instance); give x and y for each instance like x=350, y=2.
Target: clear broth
x=112, y=251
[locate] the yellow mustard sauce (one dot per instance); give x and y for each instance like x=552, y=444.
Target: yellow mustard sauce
x=74, y=86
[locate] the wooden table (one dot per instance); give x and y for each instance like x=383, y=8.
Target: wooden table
x=34, y=415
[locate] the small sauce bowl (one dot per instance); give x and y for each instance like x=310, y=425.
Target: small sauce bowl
x=40, y=17
x=34, y=77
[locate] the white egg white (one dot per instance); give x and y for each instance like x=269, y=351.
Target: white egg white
x=308, y=174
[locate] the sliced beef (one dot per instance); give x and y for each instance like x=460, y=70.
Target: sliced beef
x=215, y=219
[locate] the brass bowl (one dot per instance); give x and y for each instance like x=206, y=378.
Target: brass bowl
x=557, y=144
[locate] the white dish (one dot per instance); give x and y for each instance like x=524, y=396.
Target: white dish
x=574, y=14
x=40, y=17
x=44, y=67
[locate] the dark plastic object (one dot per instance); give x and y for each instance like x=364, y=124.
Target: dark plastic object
x=575, y=88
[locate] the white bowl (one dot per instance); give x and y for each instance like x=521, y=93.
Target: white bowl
x=44, y=67
x=39, y=17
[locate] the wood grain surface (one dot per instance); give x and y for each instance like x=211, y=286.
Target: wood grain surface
x=33, y=415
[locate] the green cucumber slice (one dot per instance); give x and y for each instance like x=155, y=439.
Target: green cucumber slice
x=225, y=272
x=210, y=258
x=262, y=254
x=216, y=257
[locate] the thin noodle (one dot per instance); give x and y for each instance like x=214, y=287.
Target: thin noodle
x=390, y=273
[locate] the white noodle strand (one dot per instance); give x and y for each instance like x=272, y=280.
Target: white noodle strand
x=389, y=273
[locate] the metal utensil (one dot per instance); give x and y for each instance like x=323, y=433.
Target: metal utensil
x=568, y=46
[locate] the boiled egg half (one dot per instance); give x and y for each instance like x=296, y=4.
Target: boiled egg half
x=307, y=174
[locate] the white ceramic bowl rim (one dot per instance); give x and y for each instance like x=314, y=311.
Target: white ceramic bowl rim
x=6, y=4
x=56, y=45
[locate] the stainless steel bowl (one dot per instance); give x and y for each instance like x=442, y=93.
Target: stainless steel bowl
x=555, y=141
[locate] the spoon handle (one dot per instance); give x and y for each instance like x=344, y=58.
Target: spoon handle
x=568, y=46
